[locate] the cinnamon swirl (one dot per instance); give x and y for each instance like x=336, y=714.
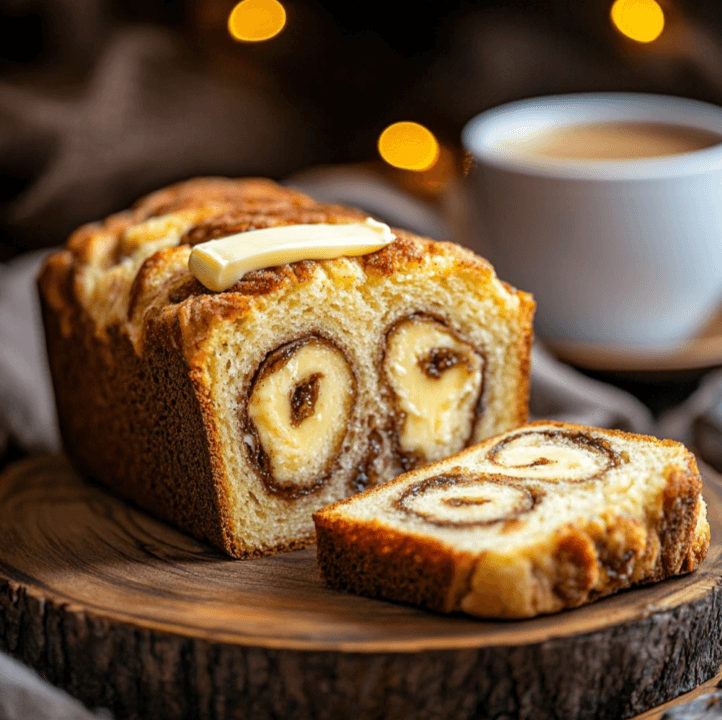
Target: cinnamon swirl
x=235, y=413
x=541, y=518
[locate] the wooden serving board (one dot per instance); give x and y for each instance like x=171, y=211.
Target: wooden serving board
x=127, y=613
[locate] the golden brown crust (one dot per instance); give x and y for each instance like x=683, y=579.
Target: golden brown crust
x=678, y=521
x=257, y=218
x=247, y=192
x=358, y=558
x=523, y=351
x=133, y=447
x=97, y=244
x=128, y=330
x=577, y=563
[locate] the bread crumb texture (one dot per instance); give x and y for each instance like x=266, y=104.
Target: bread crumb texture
x=237, y=414
x=545, y=517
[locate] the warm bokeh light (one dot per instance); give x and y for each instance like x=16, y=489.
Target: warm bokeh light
x=408, y=145
x=255, y=20
x=641, y=20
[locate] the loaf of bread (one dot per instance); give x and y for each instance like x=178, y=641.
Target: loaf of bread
x=541, y=518
x=235, y=414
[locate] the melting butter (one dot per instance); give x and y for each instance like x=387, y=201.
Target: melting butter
x=219, y=264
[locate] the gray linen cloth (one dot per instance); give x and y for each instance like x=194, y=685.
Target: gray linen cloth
x=27, y=413
x=24, y=695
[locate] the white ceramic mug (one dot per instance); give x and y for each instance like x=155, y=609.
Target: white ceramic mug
x=616, y=252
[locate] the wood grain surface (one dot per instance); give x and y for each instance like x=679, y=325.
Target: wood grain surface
x=127, y=613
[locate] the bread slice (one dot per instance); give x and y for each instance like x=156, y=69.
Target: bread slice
x=236, y=414
x=545, y=517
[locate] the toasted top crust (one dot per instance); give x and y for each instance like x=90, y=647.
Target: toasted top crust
x=134, y=264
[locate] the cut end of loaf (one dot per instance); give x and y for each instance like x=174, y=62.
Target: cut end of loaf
x=236, y=414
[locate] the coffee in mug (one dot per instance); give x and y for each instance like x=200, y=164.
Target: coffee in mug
x=608, y=208
x=613, y=141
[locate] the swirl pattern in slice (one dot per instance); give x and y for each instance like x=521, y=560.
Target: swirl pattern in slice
x=553, y=456
x=436, y=380
x=298, y=412
x=466, y=500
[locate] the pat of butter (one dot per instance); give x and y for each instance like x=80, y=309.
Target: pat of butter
x=219, y=264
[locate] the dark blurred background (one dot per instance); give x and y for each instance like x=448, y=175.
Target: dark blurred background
x=101, y=101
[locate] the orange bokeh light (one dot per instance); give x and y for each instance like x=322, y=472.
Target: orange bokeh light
x=256, y=20
x=408, y=145
x=641, y=20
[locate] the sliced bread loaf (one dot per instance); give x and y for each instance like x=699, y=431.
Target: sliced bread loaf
x=541, y=518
